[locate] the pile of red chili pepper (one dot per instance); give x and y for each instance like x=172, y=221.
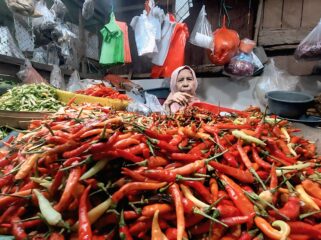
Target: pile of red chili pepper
x=100, y=90
x=92, y=173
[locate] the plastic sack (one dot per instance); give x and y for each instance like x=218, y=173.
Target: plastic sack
x=176, y=54
x=226, y=42
x=40, y=55
x=59, y=9
x=242, y=64
x=153, y=104
x=28, y=74
x=56, y=78
x=201, y=35
x=164, y=44
x=74, y=83
x=88, y=9
x=138, y=107
x=145, y=35
x=310, y=47
x=47, y=15
x=273, y=79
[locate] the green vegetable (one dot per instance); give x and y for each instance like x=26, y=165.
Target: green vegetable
x=30, y=97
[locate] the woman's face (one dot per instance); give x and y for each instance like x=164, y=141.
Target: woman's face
x=185, y=82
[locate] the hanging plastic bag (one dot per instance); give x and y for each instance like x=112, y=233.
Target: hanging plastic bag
x=74, y=83
x=124, y=28
x=145, y=35
x=310, y=47
x=28, y=74
x=202, y=32
x=112, y=48
x=273, y=79
x=164, y=44
x=59, y=9
x=88, y=9
x=176, y=54
x=56, y=78
x=226, y=42
x=242, y=64
x=139, y=108
x=40, y=55
x=47, y=16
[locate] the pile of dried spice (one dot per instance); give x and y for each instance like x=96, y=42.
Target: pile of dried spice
x=92, y=173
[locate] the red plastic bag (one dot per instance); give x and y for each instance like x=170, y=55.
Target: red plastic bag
x=226, y=42
x=176, y=54
x=29, y=75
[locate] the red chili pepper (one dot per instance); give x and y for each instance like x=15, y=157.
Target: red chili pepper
x=201, y=146
x=128, y=156
x=312, y=188
x=159, y=136
x=228, y=211
x=176, y=140
x=140, y=226
x=304, y=228
x=232, y=221
x=8, y=213
x=130, y=215
x=245, y=236
x=133, y=174
x=69, y=188
x=138, y=149
x=188, y=205
x=62, y=148
x=275, y=151
x=84, y=227
x=78, y=151
x=299, y=237
x=171, y=234
x=241, y=175
x=72, y=160
x=281, y=143
x=56, y=140
x=201, y=228
x=56, y=182
x=149, y=210
x=274, y=178
x=6, y=180
x=124, y=233
x=17, y=229
x=4, y=162
x=163, y=145
x=259, y=160
x=291, y=209
x=176, y=195
x=156, y=161
x=238, y=197
x=132, y=186
x=201, y=190
x=185, y=157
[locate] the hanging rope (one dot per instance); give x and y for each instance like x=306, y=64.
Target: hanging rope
x=112, y=5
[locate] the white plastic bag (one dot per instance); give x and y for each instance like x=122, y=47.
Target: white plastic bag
x=273, y=79
x=202, y=34
x=153, y=104
x=88, y=9
x=145, y=35
x=74, y=83
x=310, y=47
x=56, y=78
x=47, y=15
x=28, y=74
x=59, y=9
x=138, y=107
x=164, y=44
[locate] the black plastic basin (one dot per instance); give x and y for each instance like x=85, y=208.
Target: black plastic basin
x=288, y=104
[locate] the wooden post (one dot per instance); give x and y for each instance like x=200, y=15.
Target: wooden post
x=258, y=21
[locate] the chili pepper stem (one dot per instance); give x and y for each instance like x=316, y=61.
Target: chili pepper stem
x=257, y=177
x=200, y=212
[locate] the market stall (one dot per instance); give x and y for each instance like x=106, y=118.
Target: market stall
x=159, y=120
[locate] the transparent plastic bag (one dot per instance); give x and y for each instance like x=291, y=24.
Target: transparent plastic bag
x=153, y=104
x=88, y=9
x=273, y=79
x=52, y=54
x=23, y=7
x=202, y=35
x=40, y=55
x=28, y=74
x=310, y=47
x=59, y=9
x=56, y=78
x=138, y=107
x=74, y=83
x=47, y=15
x=145, y=35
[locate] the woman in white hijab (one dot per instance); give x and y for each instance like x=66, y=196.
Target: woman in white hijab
x=183, y=87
